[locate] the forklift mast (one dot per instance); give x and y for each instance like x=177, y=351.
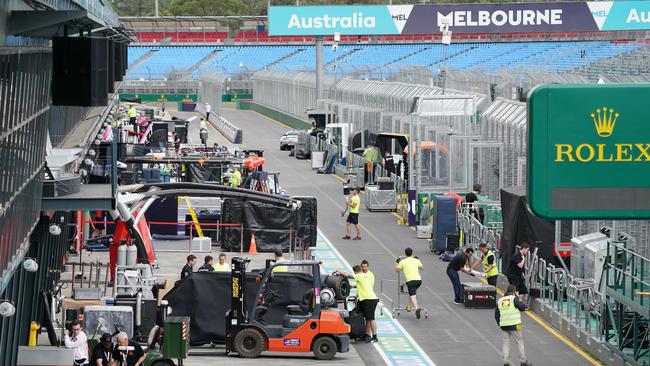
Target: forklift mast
x=236, y=316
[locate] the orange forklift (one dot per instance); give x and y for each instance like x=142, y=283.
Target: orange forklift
x=312, y=328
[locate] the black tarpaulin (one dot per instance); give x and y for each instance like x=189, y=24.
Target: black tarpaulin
x=205, y=298
x=165, y=210
x=269, y=223
x=520, y=225
x=131, y=100
x=206, y=173
x=307, y=220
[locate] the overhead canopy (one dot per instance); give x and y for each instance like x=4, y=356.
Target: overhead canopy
x=429, y=145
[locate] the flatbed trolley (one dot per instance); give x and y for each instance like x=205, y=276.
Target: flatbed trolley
x=396, y=304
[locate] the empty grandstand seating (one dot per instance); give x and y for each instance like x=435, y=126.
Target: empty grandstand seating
x=549, y=56
x=182, y=37
x=166, y=60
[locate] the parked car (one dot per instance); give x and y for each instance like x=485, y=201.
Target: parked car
x=288, y=140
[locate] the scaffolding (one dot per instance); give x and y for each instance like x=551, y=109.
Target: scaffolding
x=627, y=328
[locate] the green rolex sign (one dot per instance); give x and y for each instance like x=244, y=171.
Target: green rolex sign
x=589, y=151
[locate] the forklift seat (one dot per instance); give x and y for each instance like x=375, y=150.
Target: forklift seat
x=296, y=310
x=294, y=321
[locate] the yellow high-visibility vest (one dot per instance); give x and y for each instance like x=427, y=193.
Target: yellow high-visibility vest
x=509, y=314
x=494, y=271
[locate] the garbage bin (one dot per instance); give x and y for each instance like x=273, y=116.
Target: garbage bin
x=176, y=343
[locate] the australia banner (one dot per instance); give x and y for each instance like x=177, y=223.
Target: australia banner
x=587, y=16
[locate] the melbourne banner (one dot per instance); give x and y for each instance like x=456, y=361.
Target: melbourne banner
x=462, y=18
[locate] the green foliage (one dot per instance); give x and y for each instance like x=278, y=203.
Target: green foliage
x=249, y=7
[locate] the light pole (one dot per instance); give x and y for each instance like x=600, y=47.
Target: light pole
x=446, y=41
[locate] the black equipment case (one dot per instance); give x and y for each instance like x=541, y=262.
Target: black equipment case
x=478, y=295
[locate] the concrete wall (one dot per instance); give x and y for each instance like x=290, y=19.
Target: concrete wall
x=284, y=118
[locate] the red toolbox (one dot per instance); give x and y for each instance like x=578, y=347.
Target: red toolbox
x=478, y=295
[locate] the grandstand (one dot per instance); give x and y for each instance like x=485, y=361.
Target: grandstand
x=552, y=56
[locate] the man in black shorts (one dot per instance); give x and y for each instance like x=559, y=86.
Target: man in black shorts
x=353, y=217
x=516, y=270
x=411, y=267
x=366, y=298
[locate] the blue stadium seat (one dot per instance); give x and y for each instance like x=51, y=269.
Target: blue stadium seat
x=489, y=57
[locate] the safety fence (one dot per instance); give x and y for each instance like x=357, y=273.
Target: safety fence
x=604, y=315
x=577, y=300
x=100, y=10
x=293, y=93
x=627, y=291
x=505, y=121
x=175, y=243
x=474, y=232
x=211, y=88
x=159, y=86
x=190, y=230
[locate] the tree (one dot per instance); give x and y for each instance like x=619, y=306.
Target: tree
x=248, y=7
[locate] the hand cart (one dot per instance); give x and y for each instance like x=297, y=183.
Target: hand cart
x=396, y=304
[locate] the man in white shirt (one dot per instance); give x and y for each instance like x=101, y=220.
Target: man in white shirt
x=208, y=109
x=203, y=132
x=78, y=342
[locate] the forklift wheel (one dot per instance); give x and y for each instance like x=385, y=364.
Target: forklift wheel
x=324, y=348
x=249, y=343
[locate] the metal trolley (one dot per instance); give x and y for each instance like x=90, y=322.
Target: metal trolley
x=396, y=303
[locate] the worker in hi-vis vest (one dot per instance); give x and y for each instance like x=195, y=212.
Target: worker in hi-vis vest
x=508, y=316
x=489, y=261
x=132, y=113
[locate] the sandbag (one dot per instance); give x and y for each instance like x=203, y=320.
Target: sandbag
x=205, y=298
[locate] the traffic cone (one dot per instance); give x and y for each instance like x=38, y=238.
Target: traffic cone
x=253, y=247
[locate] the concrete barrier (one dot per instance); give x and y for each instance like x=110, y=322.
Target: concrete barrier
x=231, y=132
x=282, y=117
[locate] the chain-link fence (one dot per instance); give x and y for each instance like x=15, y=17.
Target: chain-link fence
x=292, y=93
x=211, y=88
x=505, y=121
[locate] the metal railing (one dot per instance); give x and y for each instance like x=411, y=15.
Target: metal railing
x=474, y=232
x=25, y=83
x=101, y=10
x=159, y=86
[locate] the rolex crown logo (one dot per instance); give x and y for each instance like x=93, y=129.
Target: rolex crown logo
x=605, y=120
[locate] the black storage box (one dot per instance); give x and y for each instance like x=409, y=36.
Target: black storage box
x=478, y=295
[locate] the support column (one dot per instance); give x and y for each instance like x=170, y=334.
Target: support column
x=319, y=68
